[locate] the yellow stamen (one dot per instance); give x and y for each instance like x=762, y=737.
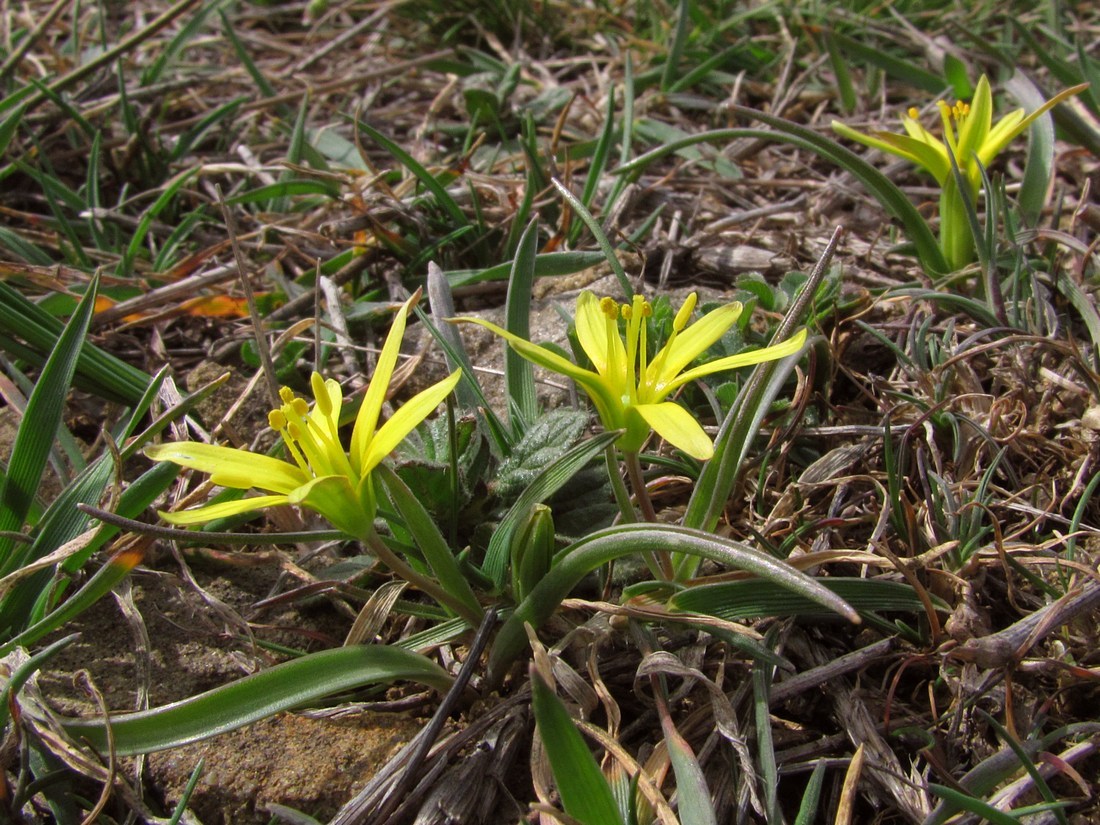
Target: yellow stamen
x=609, y=308
x=320, y=394
x=684, y=314
x=948, y=130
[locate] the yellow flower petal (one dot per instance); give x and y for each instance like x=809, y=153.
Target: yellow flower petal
x=228, y=467
x=743, y=359
x=402, y=422
x=604, y=350
x=677, y=426
x=932, y=155
x=202, y=515
x=974, y=127
x=367, y=419
x=594, y=384
x=875, y=141
x=690, y=344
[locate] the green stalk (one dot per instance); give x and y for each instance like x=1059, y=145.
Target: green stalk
x=660, y=564
x=618, y=487
x=426, y=585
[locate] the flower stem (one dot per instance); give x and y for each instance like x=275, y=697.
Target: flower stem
x=417, y=580
x=662, y=562
x=637, y=482
x=622, y=495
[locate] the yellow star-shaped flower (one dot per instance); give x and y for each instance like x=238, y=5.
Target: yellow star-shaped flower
x=970, y=137
x=630, y=391
x=321, y=475
x=969, y=134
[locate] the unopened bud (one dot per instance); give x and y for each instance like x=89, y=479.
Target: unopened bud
x=532, y=550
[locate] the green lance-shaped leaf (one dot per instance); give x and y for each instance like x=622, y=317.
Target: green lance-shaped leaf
x=582, y=557
x=38, y=429
x=285, y=686
x=585, y=792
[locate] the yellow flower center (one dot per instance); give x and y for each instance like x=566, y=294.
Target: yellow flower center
x=634, y=314
x=312, y=449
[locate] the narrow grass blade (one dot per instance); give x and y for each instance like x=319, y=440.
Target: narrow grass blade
x=532, y=184
x=596, y=166
x=519, y=374
x=597, y=233
x=188, y=791
x=138, y=496
x=994, y=770
x=96, y=370
x=1040, y=148
x=431, y=543
x=546, y=265
x=1029, y=766
x=286, y=189
x=262, y=83
x=282, y=687
x=39, y=426
x=426, y=178
x=838, y=61
x=765, y=745
x=23, y=672
x=91, y=189
x=694, y=804
x=904, y=71
x=977, y=310
x=170, y=50
x=125, y=266
x=98, y=586
x=23, y=249
x=224, y=112
x=468, y=391
x=582, y=557
x=1085, y=305
x=811, y=797
x=964, y=802
x=676, y=47
x=741, y=424
x=585, y=792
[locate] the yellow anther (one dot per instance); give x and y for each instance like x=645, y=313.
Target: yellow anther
x=293, y=430
x=609, y=308
x=286, y=394
x=299, y=406
x=684, y=315
x=626, y=311
x=276, y=420
x=914, y=113
x=647, y=309
x=320, y=393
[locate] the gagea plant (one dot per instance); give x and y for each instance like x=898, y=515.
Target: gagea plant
x=970, y=141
